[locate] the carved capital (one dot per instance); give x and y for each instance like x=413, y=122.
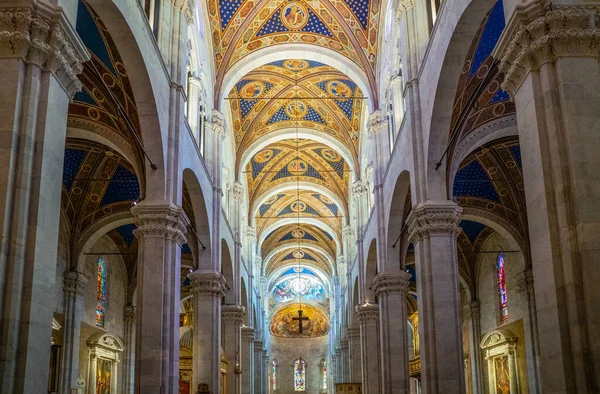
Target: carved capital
x=359, y=189
x=344, y=345
x=186, y=7
x=402, y=6
x=367, y=313
x=160, y=221
x=218, y=123
x=353, y=333
x=42, y=35
x=129, y=313
x=74, y=284
x=375, y=123
x=539, y=33
x=208, y=283
x=391, y=283
x=237, y=192
x=348, y=232
x=434, y=219
x=233, y=313
x=248, y=334
x=258, y=345
x=525, y=282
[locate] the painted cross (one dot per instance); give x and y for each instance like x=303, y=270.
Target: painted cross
x=300, y=318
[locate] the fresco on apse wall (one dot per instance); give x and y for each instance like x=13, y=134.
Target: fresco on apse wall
x=307, y=287
x=103, y=376
x=285, y=322
x=502, y=375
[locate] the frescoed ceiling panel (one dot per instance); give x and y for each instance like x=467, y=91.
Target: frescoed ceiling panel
x=242, y=27
x=293, y=256
x=296, y=93
x=296, y=160
x=298, y=234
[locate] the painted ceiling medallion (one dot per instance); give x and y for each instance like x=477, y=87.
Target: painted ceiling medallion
x=264, y=156
x=339, y=90
x=331, y=155
x=298, y=233
x=325, y=199
x=298, y=254
x=294, y=16
x=298, y=206
x=297, y=167
x=271, y=200
x=296, y=109
x=252, y=90
x=296, y=65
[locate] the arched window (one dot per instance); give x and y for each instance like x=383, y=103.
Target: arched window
x=273, y=375
x=324, y=385
x=299, y=375
x=501, y=277
x=101, y=293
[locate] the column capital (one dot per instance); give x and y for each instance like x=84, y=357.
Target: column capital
x=233, y=313
x=217, y=122
x=353, y=333
x=344, y=344
x=186, y=7
x=402, y=6
x=359, y=189
x=237, y=191
x=375, y=122
x=391, y=283
x=74, y=284
x=208, y=283
x=128, y=313
x=40, y=34
x=157, y=220
x=525, y=282
x=248, y=333
x=538, y=33
x=347, y=231
x=433, y=219
x=258, y=344
x=367, y=313
x=250, y=232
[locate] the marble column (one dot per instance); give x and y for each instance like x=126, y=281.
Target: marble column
x=128, y=352
x=346, y=360
x=40, y=57
x=74, y=284
x=368, y=317
x=391, y=289
x=247, y=360
x=258, y=365
x=339, y=370
x=160, y=231
x=532, y=344
x=433, y=228
x=208, y=288
x=355, y=354
x=233, y=317
x=549, y=58
x=472, y=314
x=265, y=372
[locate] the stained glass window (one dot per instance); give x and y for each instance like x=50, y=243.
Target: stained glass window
x=274, y=375
x=299, y=375
x=101, y=293
x=324, y=375
x=501, y=276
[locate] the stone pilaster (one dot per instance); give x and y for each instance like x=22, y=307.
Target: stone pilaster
x=355, y=354
x=549, y=56
x=258, y=365
x=368, y=317
x=265, y=372
x=233, y=317
x=339, y=370
x=433, y=228
x=74, y=285
x=247, y=359
x=472, y=315
x=526, y=289
x=209, y=289
x=345, y=346
x=391, y=288
x=128, y=352
x=40, y=58
x=160, y=232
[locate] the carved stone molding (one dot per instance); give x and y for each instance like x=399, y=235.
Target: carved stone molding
x=237, y=191
x=129, y=313
x=186, y=7
x=433, y=219
x=375, y=123
x=258, y=346
x=359, y=189
x=40, y=34
x=525, y=282
x=218, y=123
x=367, y=313
x=402, y=6
x=160, y=221
x=353, y=333
x=208, y=283
x=539, y=33
x=248, y=334
x=391, y=283
x=233, y=313
x=74, y=284
x=348, y=231
x=344, y=345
